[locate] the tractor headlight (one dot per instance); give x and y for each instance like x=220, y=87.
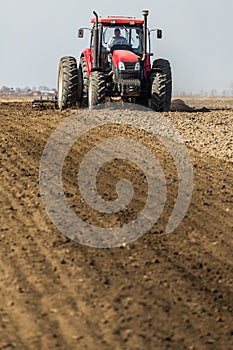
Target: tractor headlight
x=137, y=66
x=121, y=66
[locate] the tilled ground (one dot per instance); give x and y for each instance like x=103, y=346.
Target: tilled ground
x=163, y=291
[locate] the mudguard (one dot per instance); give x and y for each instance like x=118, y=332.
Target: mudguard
x=88, y=55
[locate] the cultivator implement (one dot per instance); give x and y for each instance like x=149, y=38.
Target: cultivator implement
x=45, y=103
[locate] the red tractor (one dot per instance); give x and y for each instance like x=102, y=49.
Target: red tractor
x=117, y=63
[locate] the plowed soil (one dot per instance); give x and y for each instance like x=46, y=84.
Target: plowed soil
x=163, y=291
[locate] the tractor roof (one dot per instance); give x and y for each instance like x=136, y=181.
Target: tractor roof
x=113, y=20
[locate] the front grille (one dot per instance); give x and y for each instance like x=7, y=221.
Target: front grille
x=129, y=65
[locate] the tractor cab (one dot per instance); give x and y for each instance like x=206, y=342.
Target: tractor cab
x=129, y=37
x=115, y=35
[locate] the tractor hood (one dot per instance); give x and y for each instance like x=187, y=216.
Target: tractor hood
x=123, y=56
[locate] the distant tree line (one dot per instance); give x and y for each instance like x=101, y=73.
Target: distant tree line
x=204, y=93
x=5, y=90
x=26, y=89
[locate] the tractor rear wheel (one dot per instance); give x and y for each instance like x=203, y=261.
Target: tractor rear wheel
x=161, y=85
x=85, y=81
x=67, y=83
x=96, y=89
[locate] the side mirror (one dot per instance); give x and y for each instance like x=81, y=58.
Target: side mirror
x=159, y=34
x=80, y=33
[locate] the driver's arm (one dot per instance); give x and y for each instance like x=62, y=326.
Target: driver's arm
x=110, y=43
x=124, y=40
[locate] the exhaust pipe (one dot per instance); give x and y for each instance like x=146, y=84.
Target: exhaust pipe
x=96, y=41
x=145, y=14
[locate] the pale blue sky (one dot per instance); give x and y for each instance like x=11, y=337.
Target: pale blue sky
x=197, y=38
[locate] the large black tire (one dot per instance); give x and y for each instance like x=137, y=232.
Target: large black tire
x=96, y=89
x=161, y=85
x=67, y=83
x=83, y=73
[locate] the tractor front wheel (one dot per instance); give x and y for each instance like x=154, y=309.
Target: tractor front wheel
x=96, y=89
x=68, y=90
x=161, y=85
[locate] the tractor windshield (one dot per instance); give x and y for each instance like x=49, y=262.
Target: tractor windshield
x=127, y=36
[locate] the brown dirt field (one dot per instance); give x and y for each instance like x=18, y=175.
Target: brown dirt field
x=163, y=291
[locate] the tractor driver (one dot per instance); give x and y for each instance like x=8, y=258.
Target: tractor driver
x=117, y=39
